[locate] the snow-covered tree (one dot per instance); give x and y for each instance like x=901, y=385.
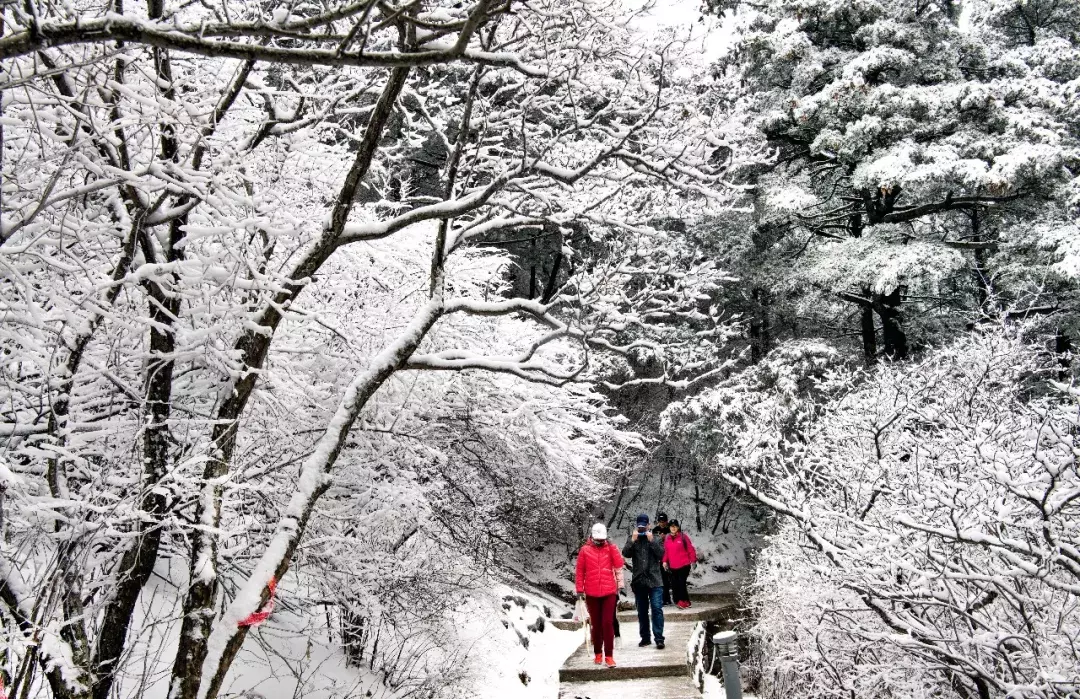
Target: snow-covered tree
x=927, y=541
x=232, y=236
x=927, y=158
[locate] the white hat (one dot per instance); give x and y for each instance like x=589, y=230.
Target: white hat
x=599, y=531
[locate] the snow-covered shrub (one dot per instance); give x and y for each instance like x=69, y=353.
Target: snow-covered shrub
x=752, y=414
x=929, y=536
x=251, y=261
x=927, y=162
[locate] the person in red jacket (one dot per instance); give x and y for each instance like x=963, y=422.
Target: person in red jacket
x=679, y=556
x=598, y=579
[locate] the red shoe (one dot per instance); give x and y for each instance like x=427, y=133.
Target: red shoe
x=610, y=661
x=682, y=604
x=599, y=659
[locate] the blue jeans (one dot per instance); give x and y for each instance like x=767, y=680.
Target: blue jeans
x=646, y=598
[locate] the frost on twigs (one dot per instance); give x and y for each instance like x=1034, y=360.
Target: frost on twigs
x=928, y=532
x=257, y=312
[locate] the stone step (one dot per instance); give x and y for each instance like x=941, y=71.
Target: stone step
x=716, y=591
x=712, y=597
x=632, y=661
x=643, y=688
x=646, y=673
x=707, y=609
x=603, y=674
x=702, y=612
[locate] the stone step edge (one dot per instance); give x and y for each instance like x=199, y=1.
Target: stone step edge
x=703, y=614
x=607, y=674
x=712, y=596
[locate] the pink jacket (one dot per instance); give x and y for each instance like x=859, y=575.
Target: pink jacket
x=599, y=569
x=679, y=551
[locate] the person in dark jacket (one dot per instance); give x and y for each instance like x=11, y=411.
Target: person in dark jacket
x=661, y=531
x=645, y=551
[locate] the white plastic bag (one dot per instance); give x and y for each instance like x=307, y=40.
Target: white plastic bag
x=581, y=612
x=581, y=615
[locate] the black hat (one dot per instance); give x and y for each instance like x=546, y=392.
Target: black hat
x=661, y=517
x=674, y=523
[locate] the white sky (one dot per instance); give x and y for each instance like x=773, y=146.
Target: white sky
x=683, y=17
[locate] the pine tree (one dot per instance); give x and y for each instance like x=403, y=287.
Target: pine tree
x=926, y=159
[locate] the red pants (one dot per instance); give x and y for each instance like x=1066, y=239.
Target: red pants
x=602, y=617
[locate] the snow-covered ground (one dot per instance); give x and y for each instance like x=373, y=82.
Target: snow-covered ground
x=714, y=689
x=502, y=664
x=723, y=557
x=504, y=646
x=292, y=654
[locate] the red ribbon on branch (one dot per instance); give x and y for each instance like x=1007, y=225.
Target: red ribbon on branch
x=255, y=618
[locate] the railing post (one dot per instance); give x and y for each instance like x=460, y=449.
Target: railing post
x=727, y=650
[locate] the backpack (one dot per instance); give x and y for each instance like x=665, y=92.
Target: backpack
x=686, y=547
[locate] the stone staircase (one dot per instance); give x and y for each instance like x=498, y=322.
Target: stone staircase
x=646, y=673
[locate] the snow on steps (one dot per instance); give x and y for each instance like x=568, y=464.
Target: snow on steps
x=653, y=688
x=713, y=602
x=634, y=662
x=648, y=673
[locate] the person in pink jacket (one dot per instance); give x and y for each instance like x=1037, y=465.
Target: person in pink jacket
x=598, y=579
x=679, y=556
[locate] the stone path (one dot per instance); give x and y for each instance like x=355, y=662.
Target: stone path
x=645, y=673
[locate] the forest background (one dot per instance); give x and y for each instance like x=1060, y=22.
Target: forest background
x=366, y=309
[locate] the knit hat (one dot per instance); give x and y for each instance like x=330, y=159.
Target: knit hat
x=599, y=532
x=661, y=517
x=642, y=520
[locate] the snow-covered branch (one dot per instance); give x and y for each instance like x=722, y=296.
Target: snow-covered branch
x=218, y=44
x=937, y=500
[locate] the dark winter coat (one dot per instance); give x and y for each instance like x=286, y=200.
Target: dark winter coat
x=645, y=557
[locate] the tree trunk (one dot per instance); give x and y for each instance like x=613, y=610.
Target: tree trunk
x=253, y=346
x=760, y=331
x=892, y=327
x=226, y=637
x=553, y=279
x=869, y=334
x=984, y=290
x=138, y=560
x=1063, y=349
x=61, y=686
x=697, y=498
x=532, y=269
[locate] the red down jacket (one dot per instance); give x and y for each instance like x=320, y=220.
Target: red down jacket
x=679, y=551
x=596, y=566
